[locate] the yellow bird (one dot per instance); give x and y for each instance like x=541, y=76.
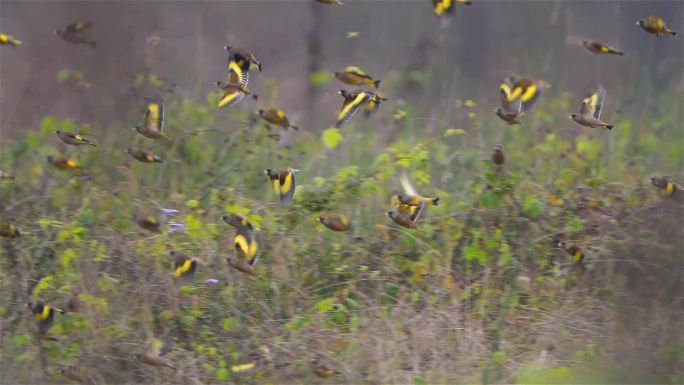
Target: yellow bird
x=591, y=108
x=155, y=352
x=444, y=9
x=595, y=46
x=143, y=156
x=44, y=315
x=148, y=223
x=73, y=139
x=239, y=62
x=667, y=186
x=411, y=198
x=655, y=25
x=277, y=117
x=352, y=102
x=283, y=182
x=246, y=248
x=335, y=222
x=63, y=163
x=184, y=267
x=373, y=104
x=511, y=108
x=9, y=40
x=576, y=254
x=233, y=93
x=77, y=33
x=8, y=230
x=153, y=120
x=526, y=89
x=355, y=76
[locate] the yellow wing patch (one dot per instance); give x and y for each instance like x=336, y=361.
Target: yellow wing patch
x=182, y=268
x=529, y=93
x=577, y=257
x=280, y=114
x=669, y=188
x=349, y=108
x=355, y=70
x=230, y=97
x=42, y=316
x=287, y=184
x=71, y=164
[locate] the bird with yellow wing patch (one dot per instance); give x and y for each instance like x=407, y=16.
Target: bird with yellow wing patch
x=73, y=139
x=410, y=198
x=239, y=63
x=233, y=93
x=656, y=26
x=445, y=9
x=63, y=163
x=246, y=251
x=575, y=252
x=335, y=222
x=276, y=117
x=352, y=102
x=153, y=120
x=511, y=108
x=668, y=187
x=6, y=39
x=184, y=267
x=44, y=315
x=283, y=182
x=597, y=47
x=527, y=89
x=591, y=108
x=373, y=104
x=355, y=76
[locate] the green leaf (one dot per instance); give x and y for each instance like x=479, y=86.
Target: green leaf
x=325, y=305
x=454, y=131
x=63, y=75
x=319, y=78
x=222, y=374
x=192, y=203
x=48, y=125
x=331, y=137
x=532, y=206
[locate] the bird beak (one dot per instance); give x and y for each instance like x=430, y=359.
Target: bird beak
x=638, y=22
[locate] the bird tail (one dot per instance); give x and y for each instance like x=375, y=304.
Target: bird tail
x=618, y=52
x=376, y=83
x=435, y=201
x=464, y=2
x=609, y=126
x=671, y=32
x=254, y=96
x=91, y=144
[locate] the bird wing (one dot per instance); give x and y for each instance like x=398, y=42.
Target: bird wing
x=529, y=96
x=406, y=184
x=230, y=96
x=440, y=7
x=287, y=185
x=508, y=104
x=238, y=73
x=655, y=22
x=356, y=71
x=415, y=211
x=154, y=116
x=350, y=106
x=593, y=104
x=78, y=27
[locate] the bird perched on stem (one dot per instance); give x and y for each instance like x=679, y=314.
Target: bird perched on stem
x=246, y=250
x=352, y=102
x=277, y=117
x=6, y=39
x=355, y=76
x=143, y=156
x=656, y=26
x=73, y=139
x=591, y=108
x=283, y=182
x=77, y=33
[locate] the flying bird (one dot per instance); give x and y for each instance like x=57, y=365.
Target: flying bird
x=44, y=315
x=656, y=26
x=574, y=252
x=498, y=155
x=667, y=186
x=511, y=108
x=6, y=39
x=73, y=139
x=373, y=104
x=277, y=117
x=239, y=62
x=445, y=9
x=77, y=33
x=597, y=47
x=283, y=182
x=143, y=156
x=184, y=267
x=355, y=76
x=590, y=110
x=352, y=102
x=63, y=163
x=153, y=120
x=335, y=222
x=233, y=93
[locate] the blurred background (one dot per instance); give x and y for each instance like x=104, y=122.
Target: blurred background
x=295, y=38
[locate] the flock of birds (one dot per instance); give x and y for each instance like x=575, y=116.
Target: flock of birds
x=518, y=97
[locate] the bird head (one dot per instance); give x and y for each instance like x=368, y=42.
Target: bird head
x=575, y=116
x=321, y=219
x=561, y=244
x=58, y=32
x=336, y=74
x=58, y=132
x=138, y=129
x=498, y=110
x=498, y=148
x=344, y=93
x=228, y=48
x=640, y=22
